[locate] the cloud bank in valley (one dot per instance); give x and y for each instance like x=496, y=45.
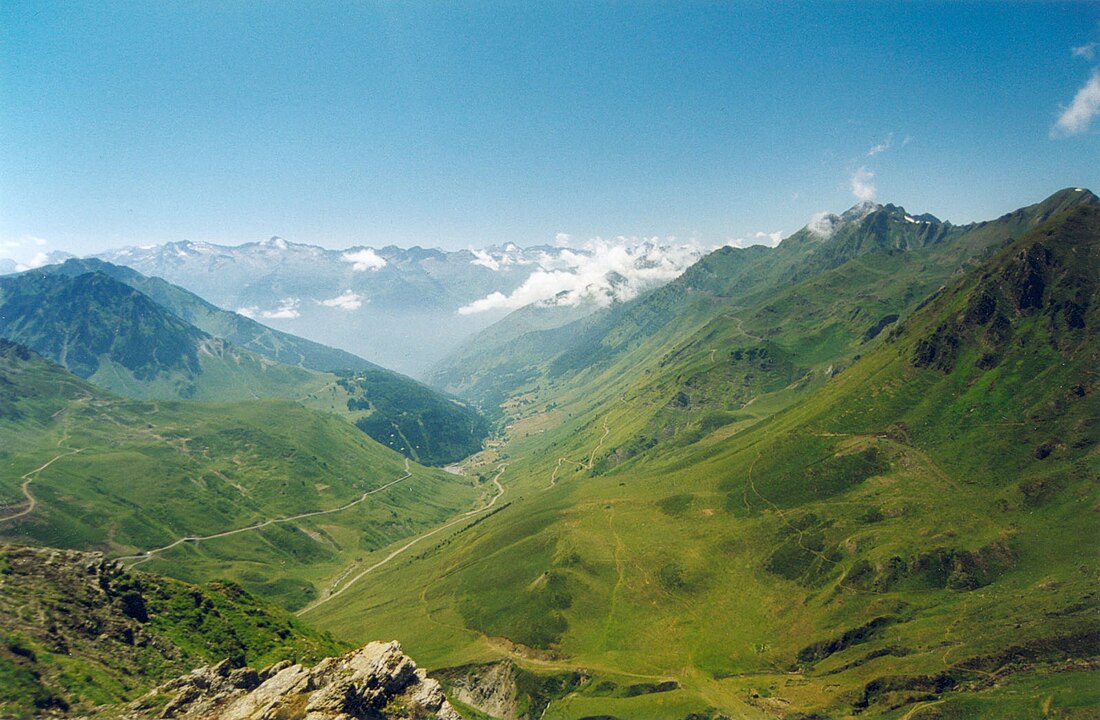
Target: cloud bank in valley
x=600, y=272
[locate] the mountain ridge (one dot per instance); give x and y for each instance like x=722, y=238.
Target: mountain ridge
x=412, y=297
x=111, y=333
x=901, y=530
x=242, y=331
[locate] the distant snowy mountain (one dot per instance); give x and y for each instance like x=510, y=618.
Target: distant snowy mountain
x=404, y=308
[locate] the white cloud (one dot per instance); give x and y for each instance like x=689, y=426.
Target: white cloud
x=496, y=258
x=823, y=224
x=1087, y=51
x=483, y=258
x=563, y=239
x=365, y=259
x=287, y=310
x=600, y=272
x=347, y=301
x=882, y=146
x=1085, y=106
x=862, y=187
x=37, y=260
x=249, y=312
x=769, y=239
x=23, y=251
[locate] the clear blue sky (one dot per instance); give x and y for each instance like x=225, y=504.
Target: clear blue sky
x=458, y=124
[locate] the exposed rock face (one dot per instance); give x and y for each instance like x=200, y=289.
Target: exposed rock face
x=377, y=681
x=492, y=690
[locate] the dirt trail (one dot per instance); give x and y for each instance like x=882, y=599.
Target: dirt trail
x=32, y=502
x=582, y=465
x=148, y=554
x=782, y=515
x=741, y=327
x=334, y=591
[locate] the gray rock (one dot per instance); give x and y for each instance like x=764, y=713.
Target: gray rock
x=376, y=681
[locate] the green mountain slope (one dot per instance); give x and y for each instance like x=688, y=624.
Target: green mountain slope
x=79, y=632
x=239, y=330
x=119, y=338
x=881, y=259
x=305, y=492
x=902, y=541
x=507, y=354
x=107, y=331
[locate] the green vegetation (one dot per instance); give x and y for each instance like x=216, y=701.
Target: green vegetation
x=128, y=477
x=871, y=516
x=241, y=331
x=80, y=632
x=106, y=331
x=414, y=420
x=837, y=478
x=95, y=319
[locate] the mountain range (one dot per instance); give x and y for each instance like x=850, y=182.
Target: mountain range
x=403, y=309
x=98, y=321
x=854, y=475
x=844, y=476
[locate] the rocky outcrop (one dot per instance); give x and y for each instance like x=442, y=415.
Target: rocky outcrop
x=377, y=681
x=491, y=689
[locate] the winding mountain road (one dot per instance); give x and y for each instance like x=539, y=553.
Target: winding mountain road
x=582, y=465
x=32, y=502
x=334, y=591
x=148, y=554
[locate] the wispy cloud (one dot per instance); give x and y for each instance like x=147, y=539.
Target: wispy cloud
x=287, y=310
x=1087, y=51
x=882, y=146
x=348, y=301
x=862, y=187
x=1076, y=118
x=365, y=259
x=601, y=272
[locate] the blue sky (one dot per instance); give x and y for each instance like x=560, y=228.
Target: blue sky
x=463, y=124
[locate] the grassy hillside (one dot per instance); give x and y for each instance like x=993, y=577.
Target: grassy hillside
x=903, y=541
x=128, y=477
x=113, y=334
x=106, y=331
x=79, y=632
x=821, y=297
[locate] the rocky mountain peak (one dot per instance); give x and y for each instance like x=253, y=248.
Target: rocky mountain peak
x=859, y=211
x=376, y=681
